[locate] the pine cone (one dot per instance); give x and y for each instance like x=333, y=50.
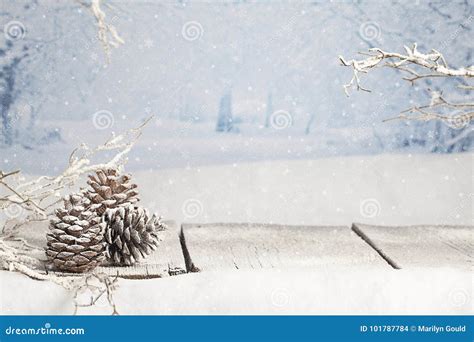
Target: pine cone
x=110, y=190
x=131, y=234
x=76, y=241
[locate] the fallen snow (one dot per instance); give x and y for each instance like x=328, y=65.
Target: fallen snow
x=336, y=290
x=404, y=189
x=408, y=189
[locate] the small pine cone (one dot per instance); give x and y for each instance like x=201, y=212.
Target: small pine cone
x=75, y=242
x=110, y=190
x=131, y=234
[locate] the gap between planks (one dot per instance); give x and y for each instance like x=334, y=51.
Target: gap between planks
x=421, y=245
x=217, y=246
x=367, y=240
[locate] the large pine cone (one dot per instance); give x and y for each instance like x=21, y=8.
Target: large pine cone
x=76, y=239
x=131, y=234
x=110, y=190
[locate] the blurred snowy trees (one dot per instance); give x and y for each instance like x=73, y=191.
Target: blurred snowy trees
x=278, y=57
x=415, y=66
x=224, y=119
x=35, y=48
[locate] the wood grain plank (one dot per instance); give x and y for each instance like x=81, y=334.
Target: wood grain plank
x=255, y=246
x=165, y=261
x=421, y=246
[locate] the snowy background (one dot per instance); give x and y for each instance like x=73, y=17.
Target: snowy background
x=242, y=93
x=250, y=124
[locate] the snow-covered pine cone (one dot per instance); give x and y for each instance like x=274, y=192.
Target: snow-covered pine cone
x=131, y=234
x=110, y=190
x=75, y=242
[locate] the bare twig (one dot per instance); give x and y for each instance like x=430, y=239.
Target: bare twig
x=455, y=121
x=5, y=175
x=107, y=33
x=433, y=61
x=95, y=286
x=416, y=66
x=40, y=194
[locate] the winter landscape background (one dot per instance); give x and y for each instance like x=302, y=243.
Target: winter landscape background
x=250, y=122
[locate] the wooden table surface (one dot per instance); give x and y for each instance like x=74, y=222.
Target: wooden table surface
x=421, y=246
x=235, y=246
x=254, y=246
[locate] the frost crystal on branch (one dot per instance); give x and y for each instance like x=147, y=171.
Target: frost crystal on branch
x=41, y=194
x=417, y=65
x=37, y=198
x=107, y=33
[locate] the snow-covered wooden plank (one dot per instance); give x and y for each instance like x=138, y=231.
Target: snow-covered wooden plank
x=421, y=246
x=166, y=260
x=256, y=246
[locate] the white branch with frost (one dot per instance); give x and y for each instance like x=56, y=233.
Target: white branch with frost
x=107, y=33
x=417, y=65
x=434, y=62
x=460, y=119
x=38, y=195
x=31, y=195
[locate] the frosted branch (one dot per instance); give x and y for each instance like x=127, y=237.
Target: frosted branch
x=95, y=286
x=434, y=65
x=107, y=33
x=416, y=65
x=38, y=195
